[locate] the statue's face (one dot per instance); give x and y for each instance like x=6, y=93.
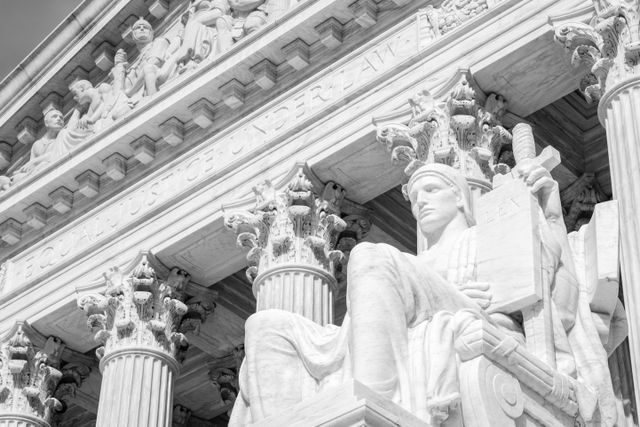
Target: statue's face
x=142, y=33
x=54, y=120
x=434, y=203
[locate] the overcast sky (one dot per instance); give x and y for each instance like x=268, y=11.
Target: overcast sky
x=24, y=24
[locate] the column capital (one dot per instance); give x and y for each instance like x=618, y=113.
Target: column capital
x=181, y=415
x=225, y=381
x=198, y=309
x=608, y=46
x=579, y=200
x=29, y=376
x=297, y=223
x=460, y=126
x=139, y=309
x=297, y=239
x=73, y=375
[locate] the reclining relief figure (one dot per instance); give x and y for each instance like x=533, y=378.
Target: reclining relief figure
x=405, y=313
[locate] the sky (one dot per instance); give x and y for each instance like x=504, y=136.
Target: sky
x=24, y=24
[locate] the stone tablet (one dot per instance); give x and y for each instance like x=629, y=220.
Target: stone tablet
x=509, y=247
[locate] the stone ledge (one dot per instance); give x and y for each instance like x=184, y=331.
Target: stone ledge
x=351, y=404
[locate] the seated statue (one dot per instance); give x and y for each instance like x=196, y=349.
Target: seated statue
x=404, y=313
x=154, y=64
x=211, y=26
x=204, y=24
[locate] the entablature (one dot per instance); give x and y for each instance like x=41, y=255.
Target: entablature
x=189, y=109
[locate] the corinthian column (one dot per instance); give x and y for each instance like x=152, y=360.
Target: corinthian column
x=292, y=235
x=610, y=48
x=137, y=321
x=28, y=380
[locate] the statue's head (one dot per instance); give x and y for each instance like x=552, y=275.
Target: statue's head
x=53, y=119
x=142, y=31
x=438, y=194
x=80, y=90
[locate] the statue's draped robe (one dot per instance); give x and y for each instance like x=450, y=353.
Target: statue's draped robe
x=290, y=358
x=200, y=37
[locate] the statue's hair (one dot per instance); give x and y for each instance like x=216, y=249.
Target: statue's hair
x=144, y=22
x=50, y=109
x=83, y=84
x=451, y=177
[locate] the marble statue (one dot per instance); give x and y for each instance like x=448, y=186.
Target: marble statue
x=43, y=150
x=205, y=30
x=104, y=107
x=58, y=141
x=248, y=16
x=211, y=27
x=404, y=313
x=104, y=104
x=154, y=64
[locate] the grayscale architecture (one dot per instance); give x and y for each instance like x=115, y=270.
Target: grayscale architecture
x=323, y=213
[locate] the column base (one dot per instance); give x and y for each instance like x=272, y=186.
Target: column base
x=351, y=404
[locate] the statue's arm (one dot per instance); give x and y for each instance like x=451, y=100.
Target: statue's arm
x=119, y=69
x=37, y=150
x=566, y=289
x=210, y=17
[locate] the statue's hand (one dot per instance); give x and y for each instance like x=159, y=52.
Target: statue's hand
x=477, y=291
x=84, y=123
x=543, y=186
x=120, y=57
x=537, y=177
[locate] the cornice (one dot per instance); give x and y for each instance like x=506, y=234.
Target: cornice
x=54, y=52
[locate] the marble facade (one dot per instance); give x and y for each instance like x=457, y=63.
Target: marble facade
x=199, y=202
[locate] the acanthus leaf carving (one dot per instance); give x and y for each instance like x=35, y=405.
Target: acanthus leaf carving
x=29, y=377
x=461, y=131
x=138, y=308
x=293, y=225
x=609, y=46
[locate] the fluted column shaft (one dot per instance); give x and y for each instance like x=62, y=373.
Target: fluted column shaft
x=147, y=376
x=619, y=111
x=301, y=289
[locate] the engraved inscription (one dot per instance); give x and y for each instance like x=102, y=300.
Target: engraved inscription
x=278, y=119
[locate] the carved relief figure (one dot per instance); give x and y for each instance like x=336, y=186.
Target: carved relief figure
x=211, y=27
x=205, y=23
x=150, y=69
x=58, y=141
x=42, y=150
x=405, y=313
x=105, y=105
x=248, y=16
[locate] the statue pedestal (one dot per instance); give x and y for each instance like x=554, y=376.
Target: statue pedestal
x=351, y=404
